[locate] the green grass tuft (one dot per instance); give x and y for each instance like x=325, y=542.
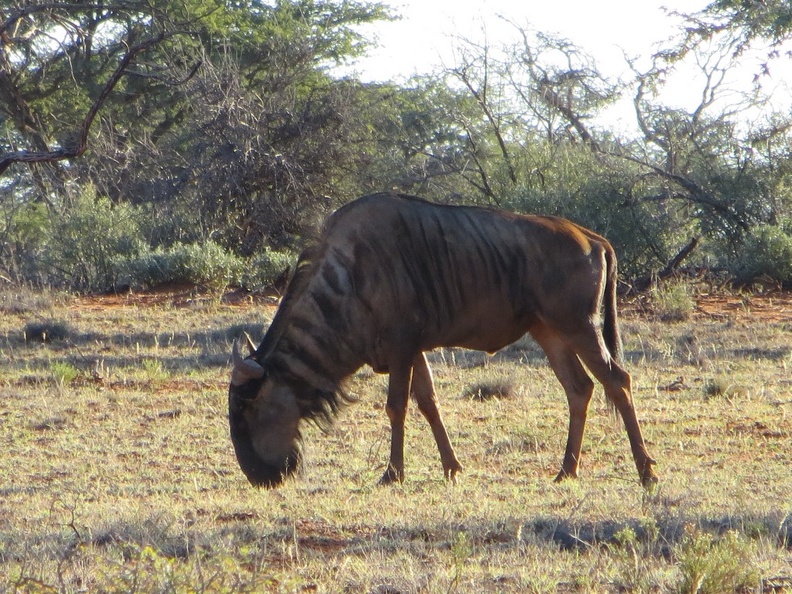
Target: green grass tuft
x=673, y=302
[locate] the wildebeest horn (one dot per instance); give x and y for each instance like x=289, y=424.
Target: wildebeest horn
x=250, y=344
x=244, y=369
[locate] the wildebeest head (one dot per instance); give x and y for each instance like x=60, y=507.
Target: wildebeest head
x=264, y=419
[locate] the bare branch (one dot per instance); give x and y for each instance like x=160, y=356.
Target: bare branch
x=480, y=95
x=33, y=9
x=564, y=107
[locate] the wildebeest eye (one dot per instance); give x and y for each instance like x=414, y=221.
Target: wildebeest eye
x=248, y=390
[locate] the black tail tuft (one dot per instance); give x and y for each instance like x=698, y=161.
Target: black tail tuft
x=610, y=329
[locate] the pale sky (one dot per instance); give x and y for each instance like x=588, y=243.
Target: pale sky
x=423, y=39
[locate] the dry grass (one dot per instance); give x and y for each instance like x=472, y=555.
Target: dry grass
x=117, y=473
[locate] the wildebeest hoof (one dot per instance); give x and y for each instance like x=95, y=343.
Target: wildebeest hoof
x=649, y=478
x=563, y=475
x=391, y=476
x=451, y=472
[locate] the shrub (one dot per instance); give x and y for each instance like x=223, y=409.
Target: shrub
x=24, y=233
x=205, y=264
x=263, y=268
x=72, y=244
x=713, y=566
x=86, y=239
x=767, y=251
x=673, y=302
x=147, y=269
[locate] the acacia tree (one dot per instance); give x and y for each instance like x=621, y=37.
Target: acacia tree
x=529, y=144
x=60, y=63
x=728, y=172
x=218, y=117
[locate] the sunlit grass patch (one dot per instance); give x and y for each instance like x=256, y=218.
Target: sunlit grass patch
x=63, y=372
x=125, y=471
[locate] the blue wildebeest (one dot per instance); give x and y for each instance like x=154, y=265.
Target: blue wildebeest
x=394, y=276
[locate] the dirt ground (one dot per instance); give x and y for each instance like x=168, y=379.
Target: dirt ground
x=771, y=306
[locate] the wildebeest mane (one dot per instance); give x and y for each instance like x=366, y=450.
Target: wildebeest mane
x=297, y=284
x=319, y=401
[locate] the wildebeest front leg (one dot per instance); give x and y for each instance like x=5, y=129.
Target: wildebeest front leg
x=396, y=407
x=423, y=391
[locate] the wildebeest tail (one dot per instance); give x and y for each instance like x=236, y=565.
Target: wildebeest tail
x=610, y=329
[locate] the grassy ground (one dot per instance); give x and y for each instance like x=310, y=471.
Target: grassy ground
x=117, y=473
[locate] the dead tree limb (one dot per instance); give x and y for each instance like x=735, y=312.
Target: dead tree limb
x=672, y=266
x=669, y=269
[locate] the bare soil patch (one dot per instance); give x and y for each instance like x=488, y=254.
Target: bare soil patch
x=772, y=306
x=173, y=296
x=768, y=307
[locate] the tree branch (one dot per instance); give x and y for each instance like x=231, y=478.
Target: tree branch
x=28, y=10
x=81, y=145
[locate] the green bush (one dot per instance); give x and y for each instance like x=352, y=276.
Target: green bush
x=86, y=239
x=263, y=268
x=144, y=270
x=767, y=251
x=91, y=244
x=72, y=244
x=23, y=235
x=710, y=565
x=673, y=302
x=206, y=264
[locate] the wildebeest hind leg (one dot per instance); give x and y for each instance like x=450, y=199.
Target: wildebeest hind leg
x=618, y=388
x=578, y=387
x=396, y=407
x=424, y=394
